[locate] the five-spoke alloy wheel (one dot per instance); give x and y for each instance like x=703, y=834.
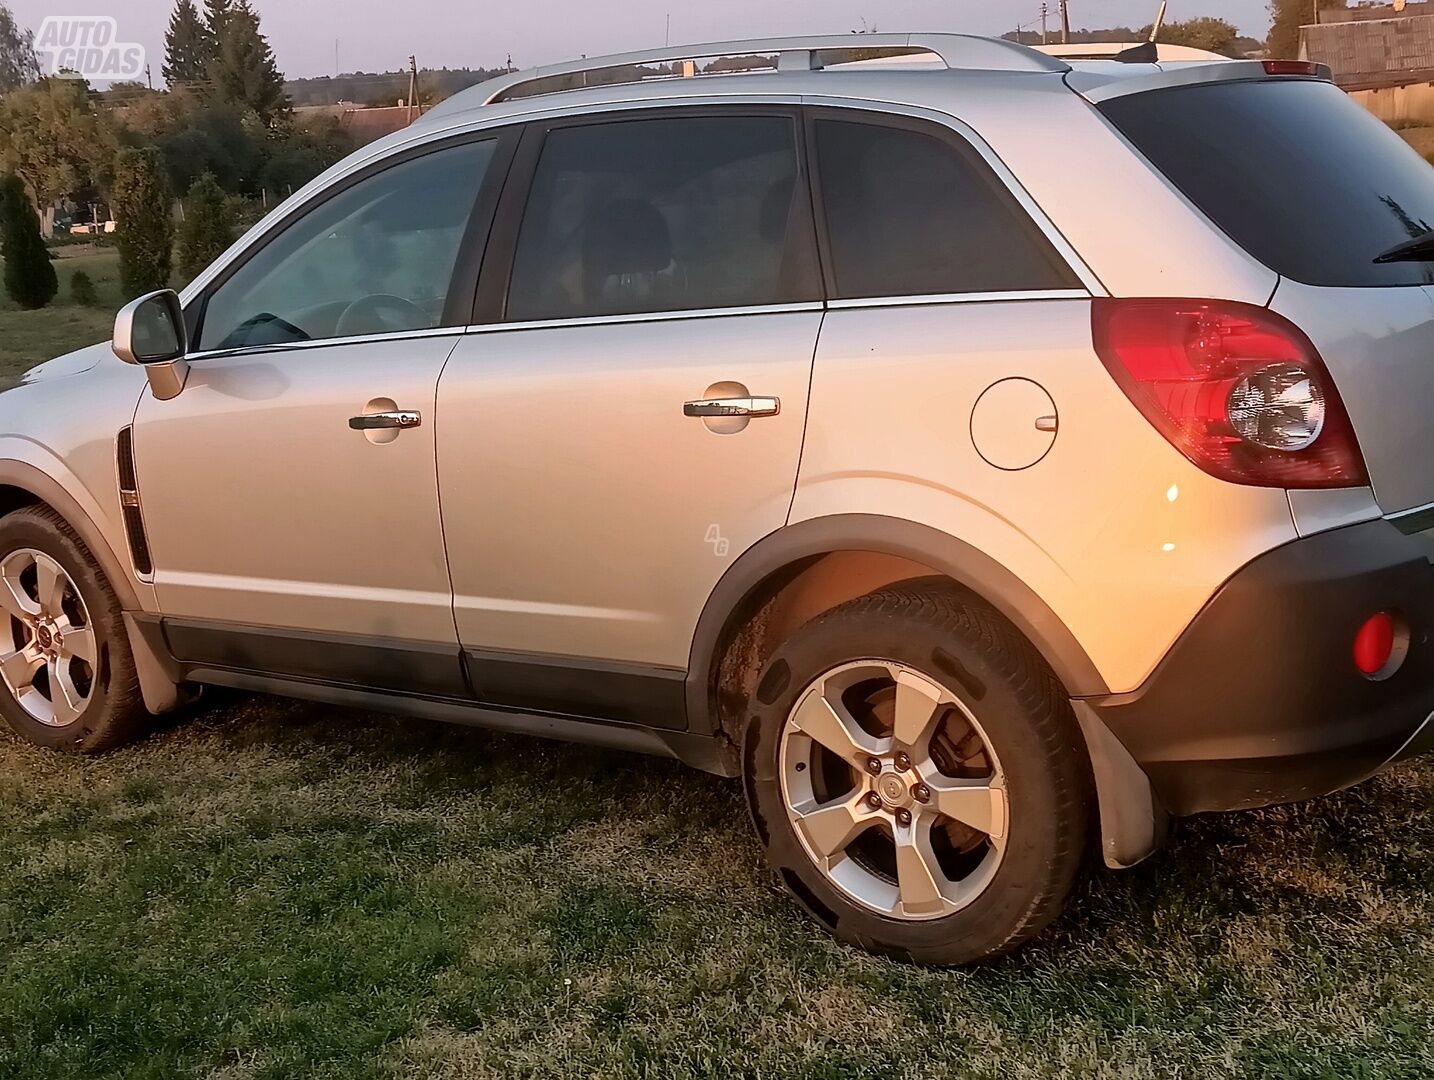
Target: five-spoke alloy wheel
x=67, y=675
x=893, y=789
x=47, y=650
x=917, y=777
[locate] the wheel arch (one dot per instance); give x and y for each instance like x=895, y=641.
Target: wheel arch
x=769, y=565
x=1132, y=825
x=23, y=485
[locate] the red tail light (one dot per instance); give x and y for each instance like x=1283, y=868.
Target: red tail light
x=1237, y=389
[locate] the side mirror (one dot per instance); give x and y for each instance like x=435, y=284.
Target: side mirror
x=150, y=332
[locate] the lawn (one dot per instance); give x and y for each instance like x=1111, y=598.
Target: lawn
x=28, y=338
x=272, y=889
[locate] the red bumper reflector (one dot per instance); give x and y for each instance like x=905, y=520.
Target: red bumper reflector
x=1374, y=644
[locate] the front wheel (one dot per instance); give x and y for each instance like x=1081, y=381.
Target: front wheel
x=917, y=777
x=67, y=676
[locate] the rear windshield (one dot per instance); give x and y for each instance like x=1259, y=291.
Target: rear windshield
x=1294, y=171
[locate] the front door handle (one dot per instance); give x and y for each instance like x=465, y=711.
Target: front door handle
x=742, y=407
x=401, y=419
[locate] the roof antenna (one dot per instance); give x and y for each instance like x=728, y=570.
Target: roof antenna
x=1159, y=21
x=1147, y=52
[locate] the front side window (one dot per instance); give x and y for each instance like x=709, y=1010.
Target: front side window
x=911, y=214
x=664, y=215
x=375, y=258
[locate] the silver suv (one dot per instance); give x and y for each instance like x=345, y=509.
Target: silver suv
x=980, y=454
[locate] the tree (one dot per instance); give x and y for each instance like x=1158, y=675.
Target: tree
x=18, y=63
x=1286, y=18
x=188, y=47
x=242, y=70
x=52, y=138
x=1212, y=35
x=82, y=289
x=144, y=229
x=29, y=278
x=213, y=138
x=208, y=229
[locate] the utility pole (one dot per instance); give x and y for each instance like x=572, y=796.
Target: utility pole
x=667, y=34
x=336, y=58
x=1045, y=11
x=1065, y=24
x=412, y=87
x=149, y=76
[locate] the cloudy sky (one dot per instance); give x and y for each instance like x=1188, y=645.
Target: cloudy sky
x=378, y=35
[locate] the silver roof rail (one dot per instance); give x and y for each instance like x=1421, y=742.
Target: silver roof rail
x=956, y=51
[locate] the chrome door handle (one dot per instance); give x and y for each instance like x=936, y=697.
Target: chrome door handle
x=385, y=420
x=741, y=407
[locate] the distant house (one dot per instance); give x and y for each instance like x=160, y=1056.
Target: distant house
x=1366, y=52
x=1384, y=60
x=366, y=125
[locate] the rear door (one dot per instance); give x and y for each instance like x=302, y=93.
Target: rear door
x=628, y=417
x=1316, y=188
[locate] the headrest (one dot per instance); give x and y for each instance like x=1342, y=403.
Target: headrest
x=629, y=236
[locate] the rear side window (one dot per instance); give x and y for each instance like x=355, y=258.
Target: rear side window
x=665, y=215
x=911, y=214
x=1294, y=171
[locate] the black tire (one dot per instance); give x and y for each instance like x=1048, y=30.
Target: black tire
x=115, y=713
x=958, y=640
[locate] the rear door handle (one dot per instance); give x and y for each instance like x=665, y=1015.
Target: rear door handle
x=738, y=407
x=381, y=421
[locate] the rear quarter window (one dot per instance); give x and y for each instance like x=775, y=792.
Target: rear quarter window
x=1293, y=171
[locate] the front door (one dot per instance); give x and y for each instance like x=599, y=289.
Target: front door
x=632, y=420
x=290, y=492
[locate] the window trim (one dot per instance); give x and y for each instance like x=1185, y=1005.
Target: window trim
x=491, y=306
x=472, y=248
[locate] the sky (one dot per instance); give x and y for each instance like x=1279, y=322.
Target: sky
x=378, y=35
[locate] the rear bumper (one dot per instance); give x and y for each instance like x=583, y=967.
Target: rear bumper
x=1259, y=701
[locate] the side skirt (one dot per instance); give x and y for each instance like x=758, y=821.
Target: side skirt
x=698, y=751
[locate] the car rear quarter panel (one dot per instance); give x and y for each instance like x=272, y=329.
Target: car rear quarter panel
x=1121, y=536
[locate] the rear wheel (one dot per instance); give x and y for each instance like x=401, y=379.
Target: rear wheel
x=916, y=774
x=67, y=677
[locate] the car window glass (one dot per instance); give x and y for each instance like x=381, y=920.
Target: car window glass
x=910, y=214
x=1296, y=172
x=664, y=215
x=375, y=258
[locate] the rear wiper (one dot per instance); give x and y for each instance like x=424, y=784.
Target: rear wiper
x=1420, y=249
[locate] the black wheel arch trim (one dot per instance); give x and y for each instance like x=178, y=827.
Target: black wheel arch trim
x=161, y=692
x=48, y=490
x=787, y=549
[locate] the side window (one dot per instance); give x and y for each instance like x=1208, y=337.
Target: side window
x=910, y=214
x=375, y=258
x=665, y=215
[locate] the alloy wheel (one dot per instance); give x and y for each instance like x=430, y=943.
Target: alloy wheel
x=893, y=789
x=48, y=652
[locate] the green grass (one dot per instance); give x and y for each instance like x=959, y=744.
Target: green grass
x=28, y=338
x=272, y=889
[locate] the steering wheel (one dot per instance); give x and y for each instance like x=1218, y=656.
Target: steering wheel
x=368, y=316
